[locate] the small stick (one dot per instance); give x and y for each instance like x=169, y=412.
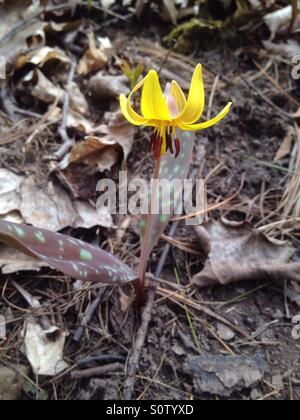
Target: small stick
x=67, y=141
x=88, y=316
x=97, y=371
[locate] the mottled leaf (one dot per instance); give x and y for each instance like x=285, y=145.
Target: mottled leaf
x=71, y=256
x=170, y=170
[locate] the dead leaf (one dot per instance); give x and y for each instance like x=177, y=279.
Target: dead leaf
x=223, y=375
x=107, y=87
x=13, y=261
x=238, y=252
x=44, y=348
x=89, y=216
x=288, y=49
x=279, y=20
x=12, y=382
x=94, y=58
x=39, y=57
x=42, y=88
x=170, y=11
x=286, y=146
x=2, y=327
x=9, y=196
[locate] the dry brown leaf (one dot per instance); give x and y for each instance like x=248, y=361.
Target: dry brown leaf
x=9, y=196
x=106, y=87
x=89, y=216
x=41, y=87
x=13, y=261
x=94, y=58
x=238, y=252
x=39, y=57
x=286, y=146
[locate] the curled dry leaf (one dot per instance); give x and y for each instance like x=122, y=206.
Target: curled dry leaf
x=106, y=87
x=46, y=206
x=101, y=149
x=279, y=20
x=41, y=87
x=41, y=56
x=94, y=58
x=237, y=252
x=13, y=261
x=44, y=348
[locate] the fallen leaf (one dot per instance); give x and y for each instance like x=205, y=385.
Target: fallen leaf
x=223, y=375
x=106, y=87
x=89, y=216
x=286, y=146
x=42, y=88
x=279, y=20
x=39, y=57
x=2, y=328
x=13, y=261
x=94, y=58
x=238, y=252
x=44, y=348
x=288, y=49
x=170, y=11
x=12, y=381
x=9, y=196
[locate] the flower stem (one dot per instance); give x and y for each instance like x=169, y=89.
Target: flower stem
x=149, y=226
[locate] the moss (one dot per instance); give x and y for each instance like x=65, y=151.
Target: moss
x=189, y=33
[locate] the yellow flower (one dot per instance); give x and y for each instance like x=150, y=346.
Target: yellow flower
x=170, y=110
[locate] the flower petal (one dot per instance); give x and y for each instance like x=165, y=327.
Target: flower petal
x=178, y=95
x=129, y=113
x=153, y=103
x=126, y=108
x=206, y=124
x=195, y=104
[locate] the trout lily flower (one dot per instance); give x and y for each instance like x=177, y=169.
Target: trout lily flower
x=169, y=110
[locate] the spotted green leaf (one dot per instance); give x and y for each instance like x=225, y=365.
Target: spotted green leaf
x=73, y=257
x=170, y=169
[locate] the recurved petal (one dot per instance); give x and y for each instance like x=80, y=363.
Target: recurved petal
x=178, y=95
x=206, y=124
x=153, y=104
x=195, y=104
x=129, y=113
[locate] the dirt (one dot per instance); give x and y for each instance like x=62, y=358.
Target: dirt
x=245, y=145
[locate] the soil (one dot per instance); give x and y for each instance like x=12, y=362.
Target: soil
x=246, y=146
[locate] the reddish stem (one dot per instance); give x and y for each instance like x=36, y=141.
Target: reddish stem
x=140, y=287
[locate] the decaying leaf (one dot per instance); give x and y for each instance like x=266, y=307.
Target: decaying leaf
x=237, y=252
x=94, y=58
x=288, y=49
x=39, y=57
x=280, y=20
x=106, y=87
x=9, y=196
x=100, y=149
x=42, y=88
x=223, y=375
x=44, y=348
x=286, y=146
x=46, y=205
x=13, y=261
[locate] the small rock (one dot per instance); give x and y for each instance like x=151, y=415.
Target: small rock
x=224, y=332
x=223, y=375
x=12, y=382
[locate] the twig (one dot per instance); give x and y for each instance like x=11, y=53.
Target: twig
x=97, y=371
x=88, y=316
x=67, y=141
